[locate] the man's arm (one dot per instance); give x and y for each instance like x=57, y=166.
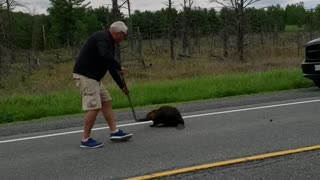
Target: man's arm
x=115, y=74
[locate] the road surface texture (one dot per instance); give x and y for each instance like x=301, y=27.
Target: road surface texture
x=216, y=131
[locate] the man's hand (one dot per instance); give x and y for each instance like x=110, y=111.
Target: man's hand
x=125, y=91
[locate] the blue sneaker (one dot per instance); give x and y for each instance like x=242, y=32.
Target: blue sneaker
x=120, y=136
x=91, y=144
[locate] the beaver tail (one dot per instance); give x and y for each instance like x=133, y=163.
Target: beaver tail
x=142, y=120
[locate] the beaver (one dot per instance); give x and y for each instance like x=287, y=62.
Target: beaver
x=165, y=116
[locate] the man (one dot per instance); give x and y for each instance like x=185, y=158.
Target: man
x=95, y=59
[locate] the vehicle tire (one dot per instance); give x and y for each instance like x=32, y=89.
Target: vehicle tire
x=316, y=82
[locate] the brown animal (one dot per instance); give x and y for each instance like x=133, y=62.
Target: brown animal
x=165, y=116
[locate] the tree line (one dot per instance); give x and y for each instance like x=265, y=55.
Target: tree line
x=181, y=31
x=68, y=23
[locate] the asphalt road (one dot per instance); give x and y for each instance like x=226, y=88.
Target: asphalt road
x=216, y=131
x=302, y=166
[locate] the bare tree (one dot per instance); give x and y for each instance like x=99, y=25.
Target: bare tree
x=1, y=28
x=115, y=10
x=140, y=48
x=130, y=32
x=1, y=77
x=225, y=38
x=10, y=5
x=116, y=15
x=187, y=4
x=170, y=28
x=239, y=7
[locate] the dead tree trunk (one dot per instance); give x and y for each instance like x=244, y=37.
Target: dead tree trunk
x=115, y=17
x=225, y=31
x=130, y=39
x=185, y=42
x=44, y=38
x=299, y=42
x=185, y=32
x=196, y=42
x=225, y=40
x=1, y=67
x=275, y=34
x=171, y=30
x=240, y=30
x=261, y=35
x=140, y=48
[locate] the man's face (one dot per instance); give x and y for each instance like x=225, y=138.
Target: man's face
x=119, y=37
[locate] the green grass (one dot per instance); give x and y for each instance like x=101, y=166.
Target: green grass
x=23, y=108
x=18, y=108
x=218, y=86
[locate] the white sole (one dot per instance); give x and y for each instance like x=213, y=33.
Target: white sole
x=123, y=138
x=82, y=146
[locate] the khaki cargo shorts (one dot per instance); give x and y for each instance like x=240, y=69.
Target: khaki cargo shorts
x=93, y=92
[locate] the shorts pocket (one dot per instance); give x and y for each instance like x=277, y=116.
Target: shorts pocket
x=90, y=99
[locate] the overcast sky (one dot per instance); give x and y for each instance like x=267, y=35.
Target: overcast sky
x=40, y=6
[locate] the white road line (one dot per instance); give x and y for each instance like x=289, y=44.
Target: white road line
x=185, y=117
x=250, y=109
x=65, y=133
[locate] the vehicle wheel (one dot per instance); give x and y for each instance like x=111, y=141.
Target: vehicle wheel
x=316, y=82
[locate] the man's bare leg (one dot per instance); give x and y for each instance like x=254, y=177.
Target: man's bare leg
x=89, y=121
x=109, y=115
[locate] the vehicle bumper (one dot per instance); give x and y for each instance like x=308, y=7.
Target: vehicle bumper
x=310, y=70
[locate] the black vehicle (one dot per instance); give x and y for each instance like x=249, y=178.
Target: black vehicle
x=311, y=64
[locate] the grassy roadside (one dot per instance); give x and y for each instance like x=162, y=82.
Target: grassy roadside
x=23, y=108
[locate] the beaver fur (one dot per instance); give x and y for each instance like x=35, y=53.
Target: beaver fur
x=165, y=116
